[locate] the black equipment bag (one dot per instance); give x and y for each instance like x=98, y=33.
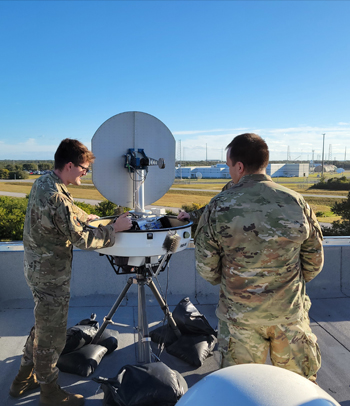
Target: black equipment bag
x=83, y=361
x=197, y=340
x=79, y=356
x=193, y=349
x=163, y=335
x=109, y=339
x=152, y=384
x=78, y=336
x=189, y=320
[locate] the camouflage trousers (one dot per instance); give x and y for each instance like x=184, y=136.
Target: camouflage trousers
x=48, y=338
x=292, y=346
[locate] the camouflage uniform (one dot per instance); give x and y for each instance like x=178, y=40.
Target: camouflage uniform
x=52, y=225
x=262, y=242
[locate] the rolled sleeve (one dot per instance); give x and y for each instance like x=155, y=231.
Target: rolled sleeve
x=311, y=252
x=69, y=221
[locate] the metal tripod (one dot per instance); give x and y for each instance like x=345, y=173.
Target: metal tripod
x=144, y=341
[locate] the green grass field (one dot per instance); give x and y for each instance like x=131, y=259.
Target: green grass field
x=201, y=195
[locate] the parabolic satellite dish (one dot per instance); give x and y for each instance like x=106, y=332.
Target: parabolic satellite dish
x=112, y=141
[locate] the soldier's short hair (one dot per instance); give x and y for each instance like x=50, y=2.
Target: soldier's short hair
x=251, y=150
x=73, y=151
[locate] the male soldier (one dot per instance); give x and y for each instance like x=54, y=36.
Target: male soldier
x=261, y=242
x=53, y=224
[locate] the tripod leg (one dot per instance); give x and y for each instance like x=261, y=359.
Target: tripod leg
x=108, y=318
x=164, y=307
x=144, y=345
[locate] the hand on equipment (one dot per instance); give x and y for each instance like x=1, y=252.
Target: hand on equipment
x=183, y=216
x=122, y=223
x=92, y=217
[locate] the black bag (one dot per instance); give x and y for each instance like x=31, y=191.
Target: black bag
x=83, y=361
x=189, y=320
x=79, y=356
x=152, y=384
x=193, y=349
x=78, y=336
x=163, y=334
x=109, y=339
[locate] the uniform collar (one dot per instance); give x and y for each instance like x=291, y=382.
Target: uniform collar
x=255, y=177
x=60, y=184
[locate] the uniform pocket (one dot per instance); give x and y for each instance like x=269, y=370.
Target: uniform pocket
x=312, y=355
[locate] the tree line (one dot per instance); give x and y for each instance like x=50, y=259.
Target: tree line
x=10, y=169
x=341, y=183
x=13, y=211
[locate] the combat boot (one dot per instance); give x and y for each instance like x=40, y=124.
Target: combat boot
x=24, y=382
x=53, y=395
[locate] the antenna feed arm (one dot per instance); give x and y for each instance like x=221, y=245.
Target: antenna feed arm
x=160, y=162
x=136, y=160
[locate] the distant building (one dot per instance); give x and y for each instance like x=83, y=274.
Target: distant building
x=184, y=172
x=327, y=168
x=287, y=170
x=221, y=171
x=212, y=172
x=206, y=172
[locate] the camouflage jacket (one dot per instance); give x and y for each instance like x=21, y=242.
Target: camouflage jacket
x=52, y=224
x=195, y=215
x=262, y=242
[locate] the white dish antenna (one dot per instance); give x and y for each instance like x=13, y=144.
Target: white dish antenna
x=134, y=167
x=114, y=139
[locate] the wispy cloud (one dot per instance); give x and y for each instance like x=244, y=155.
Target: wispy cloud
x=29, y=149
x=33, y=148
x=299, y=142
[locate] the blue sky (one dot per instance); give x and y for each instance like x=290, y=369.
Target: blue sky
x=209, y=70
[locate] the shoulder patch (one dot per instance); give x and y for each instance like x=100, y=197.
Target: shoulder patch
x=77, y=222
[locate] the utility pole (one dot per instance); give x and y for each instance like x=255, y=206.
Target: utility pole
x=323, y=155
x=180, y=163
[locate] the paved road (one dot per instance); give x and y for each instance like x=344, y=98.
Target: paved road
x=12, y=194
x=328, y=196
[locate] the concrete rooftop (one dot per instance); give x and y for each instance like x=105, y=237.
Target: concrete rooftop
x=95, y=288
